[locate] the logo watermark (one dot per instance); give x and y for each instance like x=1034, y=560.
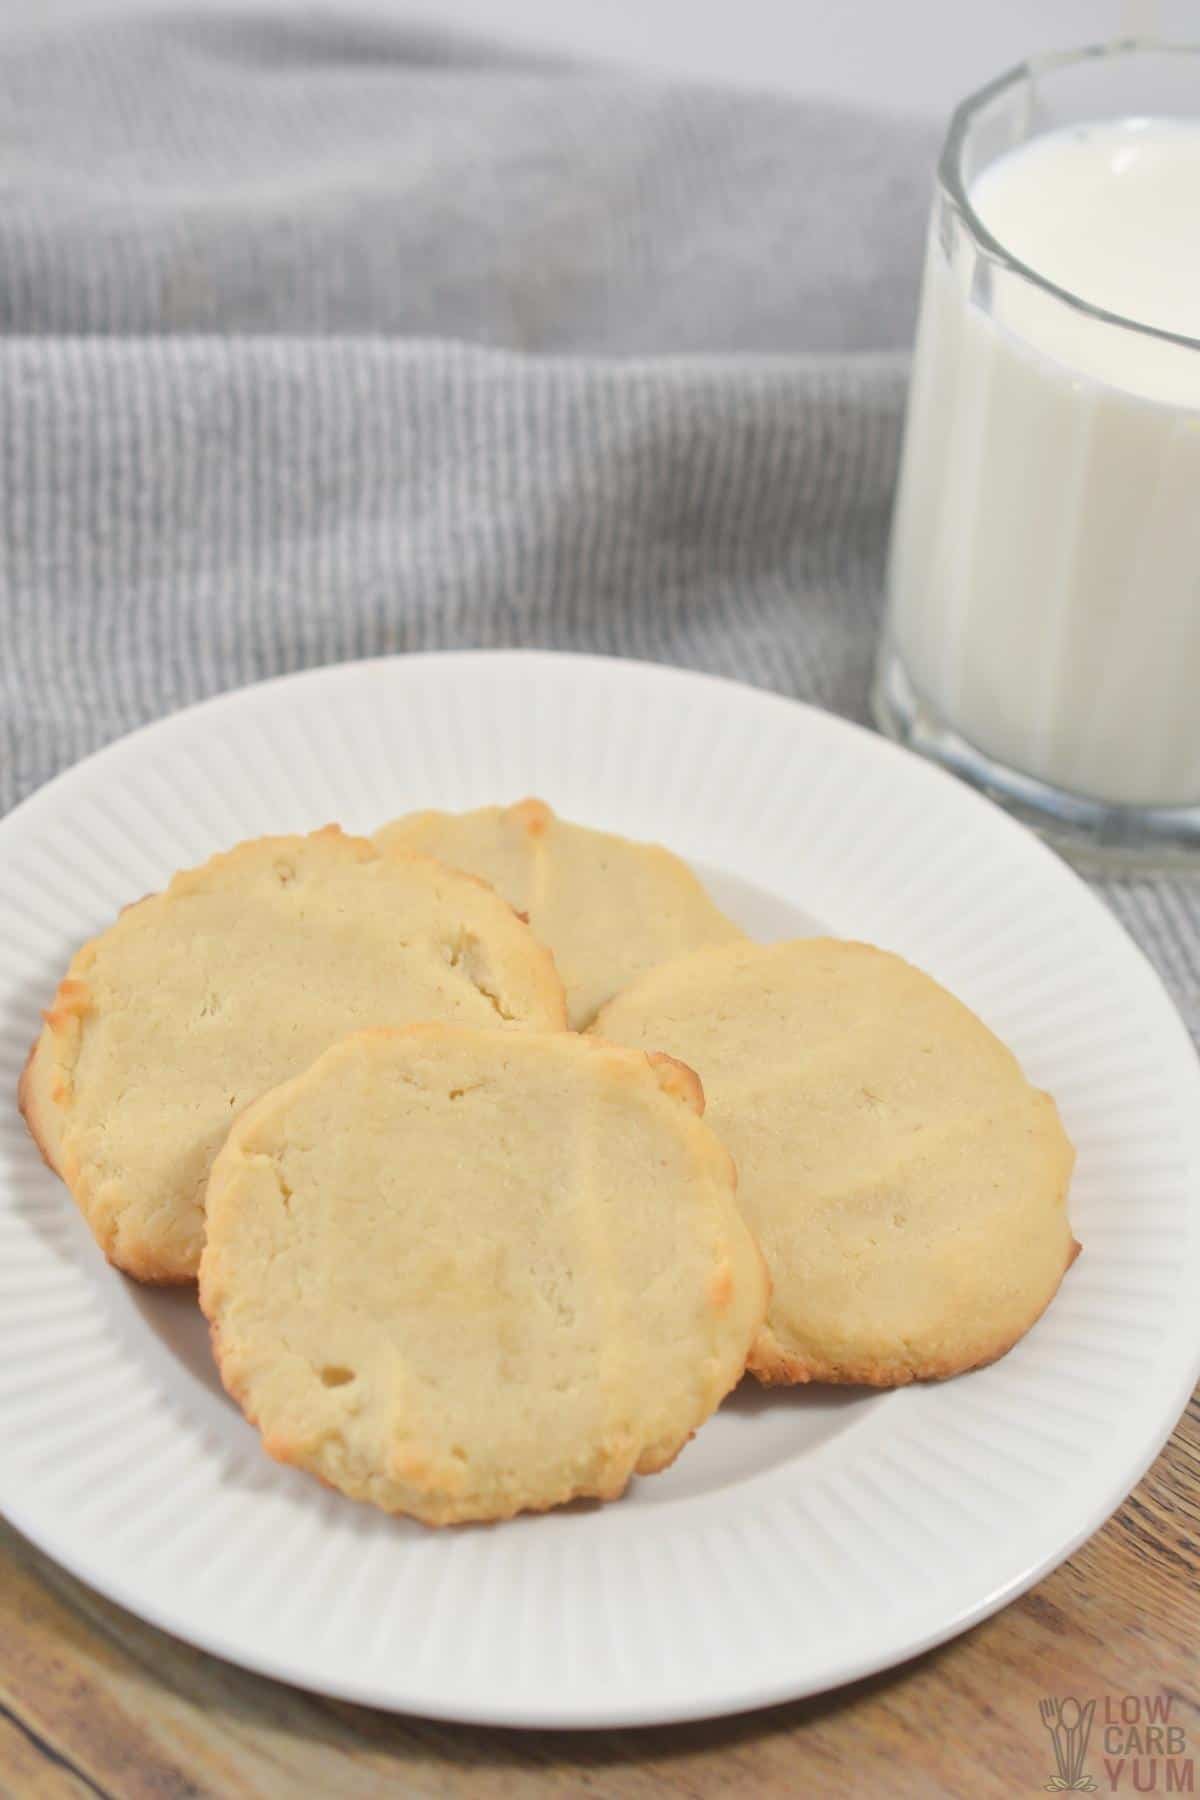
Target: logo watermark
x=1137, y=1745
x=1070, y=1726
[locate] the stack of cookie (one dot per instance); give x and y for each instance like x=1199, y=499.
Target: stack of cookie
x=426, y=1117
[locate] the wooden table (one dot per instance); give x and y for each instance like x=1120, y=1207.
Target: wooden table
x=94, y=1702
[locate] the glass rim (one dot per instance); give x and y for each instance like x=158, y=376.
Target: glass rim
x=949, y=169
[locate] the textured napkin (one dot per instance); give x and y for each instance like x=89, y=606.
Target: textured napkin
x=326, y=336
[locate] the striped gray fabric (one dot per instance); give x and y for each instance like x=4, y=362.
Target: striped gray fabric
x=324, y=339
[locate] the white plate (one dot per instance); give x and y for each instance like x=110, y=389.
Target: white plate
x=805, y=1538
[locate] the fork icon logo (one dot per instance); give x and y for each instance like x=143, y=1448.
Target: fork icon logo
x=1069, y=1725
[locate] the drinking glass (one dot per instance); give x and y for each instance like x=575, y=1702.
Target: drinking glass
x=1042, y=628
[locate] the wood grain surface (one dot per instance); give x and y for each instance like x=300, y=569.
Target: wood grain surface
x=94, y=1702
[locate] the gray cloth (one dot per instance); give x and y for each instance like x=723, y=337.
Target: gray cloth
x=324, y=338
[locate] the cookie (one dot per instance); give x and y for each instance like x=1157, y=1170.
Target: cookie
x=907, y=1184
x=607, y=907
x=465, y=1273
x=238, y=975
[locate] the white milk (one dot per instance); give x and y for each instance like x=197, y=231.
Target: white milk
x=1045, y=570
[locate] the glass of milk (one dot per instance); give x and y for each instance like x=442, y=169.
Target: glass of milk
x=1043, y=622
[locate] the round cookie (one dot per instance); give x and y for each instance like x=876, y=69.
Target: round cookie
x=907, y=1184
x=199, y=998
x=607, y=907
x=464, y=1273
